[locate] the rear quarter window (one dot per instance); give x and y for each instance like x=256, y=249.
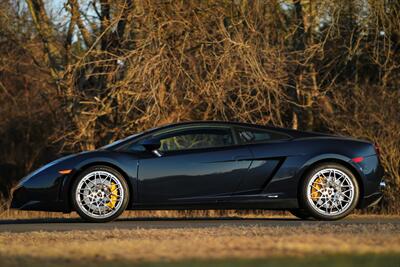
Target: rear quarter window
x=250, y=136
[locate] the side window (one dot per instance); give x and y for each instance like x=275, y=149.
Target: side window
x=248, y=135
x=195, y=139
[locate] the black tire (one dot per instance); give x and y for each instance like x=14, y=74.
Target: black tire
x=301, y=214
x=319, y=215
x=118, y=212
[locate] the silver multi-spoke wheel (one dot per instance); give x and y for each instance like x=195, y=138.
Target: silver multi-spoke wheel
x=330, y=192
x=99, y=194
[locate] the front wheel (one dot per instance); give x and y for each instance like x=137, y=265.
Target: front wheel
x=330, y=192
x=100, y=194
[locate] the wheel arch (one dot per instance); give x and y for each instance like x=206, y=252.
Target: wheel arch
x=74, y=176
x=340, y=161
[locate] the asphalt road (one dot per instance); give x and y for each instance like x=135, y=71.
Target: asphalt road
x=31, y=225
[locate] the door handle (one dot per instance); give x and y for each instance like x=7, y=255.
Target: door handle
x=157, y=153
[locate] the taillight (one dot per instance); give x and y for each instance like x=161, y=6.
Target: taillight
x=358, y=159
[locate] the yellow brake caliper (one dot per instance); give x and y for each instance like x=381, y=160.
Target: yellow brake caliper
x=316, y=186
x=113, y=196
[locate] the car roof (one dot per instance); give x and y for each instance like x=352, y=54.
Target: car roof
x=290, y=132
x=204, y=123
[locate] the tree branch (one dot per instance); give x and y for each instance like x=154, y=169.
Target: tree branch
x=46, y=33
x=76, y=16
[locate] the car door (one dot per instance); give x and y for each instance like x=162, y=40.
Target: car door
x=193, y=165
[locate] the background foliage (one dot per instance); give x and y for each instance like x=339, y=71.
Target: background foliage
x=75, y=75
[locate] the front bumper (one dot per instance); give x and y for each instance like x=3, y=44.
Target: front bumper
x=24, y=199
x=39, y=191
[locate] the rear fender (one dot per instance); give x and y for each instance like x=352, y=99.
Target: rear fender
x=286, y=181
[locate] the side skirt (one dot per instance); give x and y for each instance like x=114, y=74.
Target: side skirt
x=270, y=204
x=273, y=204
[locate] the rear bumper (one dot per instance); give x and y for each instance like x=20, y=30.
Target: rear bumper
x=375, y=198
x=371, y=200
x=382, y=185
x=372, y=181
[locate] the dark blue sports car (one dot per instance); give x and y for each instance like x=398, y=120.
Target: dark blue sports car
x=211, y=165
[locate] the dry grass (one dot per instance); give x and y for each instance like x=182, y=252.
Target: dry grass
x=154, y=245
x=18, y=214
x=21, y=215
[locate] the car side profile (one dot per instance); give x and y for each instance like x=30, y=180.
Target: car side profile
x=210, y=165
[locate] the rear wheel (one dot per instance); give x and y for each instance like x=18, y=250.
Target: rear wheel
x=301, y=214
x=330, y=192
x=100, y=194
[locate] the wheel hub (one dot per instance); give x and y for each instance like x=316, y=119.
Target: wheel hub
x=330, y=192
x=99, y=194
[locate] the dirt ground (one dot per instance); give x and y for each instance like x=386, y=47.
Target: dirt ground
x=242, y=246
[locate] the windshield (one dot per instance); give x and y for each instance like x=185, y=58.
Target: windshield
x=119, y=141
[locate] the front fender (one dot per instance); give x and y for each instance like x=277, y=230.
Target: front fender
x=125, y=163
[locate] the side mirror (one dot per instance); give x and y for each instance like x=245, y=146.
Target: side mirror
x=151, y=144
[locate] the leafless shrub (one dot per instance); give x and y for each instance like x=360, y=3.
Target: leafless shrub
x=378, y=122
x=111, y=68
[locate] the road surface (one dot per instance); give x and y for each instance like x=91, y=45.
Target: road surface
x=30, y=225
